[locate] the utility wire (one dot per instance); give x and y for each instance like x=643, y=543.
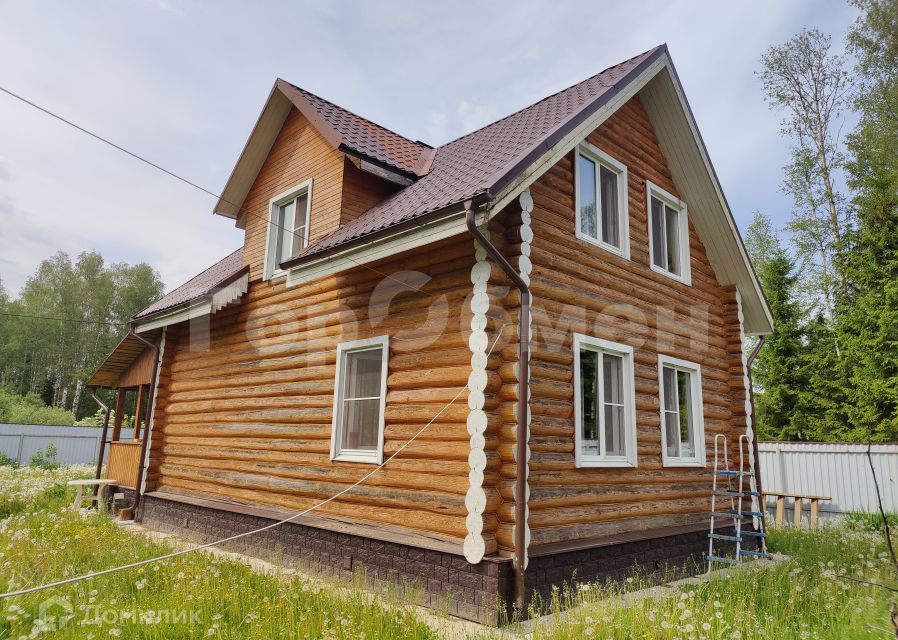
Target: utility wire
x=174, y=175
x=216, y=543
x=76, y=320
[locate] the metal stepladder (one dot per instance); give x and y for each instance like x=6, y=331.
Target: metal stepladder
x=729, y=484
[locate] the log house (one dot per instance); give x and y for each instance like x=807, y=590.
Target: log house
x=362, y=333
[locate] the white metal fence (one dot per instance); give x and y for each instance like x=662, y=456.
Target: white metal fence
x=74, y=445
x=840, y=471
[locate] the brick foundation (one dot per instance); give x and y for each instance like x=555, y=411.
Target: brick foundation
x=678, y=555
x=436, y=579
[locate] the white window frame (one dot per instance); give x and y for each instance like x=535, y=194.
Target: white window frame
x=598, y=345
x=338, y=453
x=698, y=413
x=603, y=159
x=654, y=191
x=272, y=270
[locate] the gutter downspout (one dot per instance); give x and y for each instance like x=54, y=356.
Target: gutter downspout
x=102, y=453
x=151, y=396
x=520, y=503
x=756, y=452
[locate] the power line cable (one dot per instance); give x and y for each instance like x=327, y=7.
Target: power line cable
x=168, y=556
x=174, y=175
x=76, y=320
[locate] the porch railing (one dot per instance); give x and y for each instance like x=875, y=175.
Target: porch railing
x=123, y=462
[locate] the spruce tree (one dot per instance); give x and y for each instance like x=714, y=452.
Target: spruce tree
x=778, y=369
x=869, y=330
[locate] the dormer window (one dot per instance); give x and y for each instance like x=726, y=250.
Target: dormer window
x=288, y=230
x=601, y=200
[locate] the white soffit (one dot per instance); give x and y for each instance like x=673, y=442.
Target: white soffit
x=694, y=176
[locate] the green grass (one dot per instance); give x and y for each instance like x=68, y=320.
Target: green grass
x=189, y=597
x=801, y=598
x=201, y=596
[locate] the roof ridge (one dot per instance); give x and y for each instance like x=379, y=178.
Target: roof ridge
x=418, y=143
x=552, y=95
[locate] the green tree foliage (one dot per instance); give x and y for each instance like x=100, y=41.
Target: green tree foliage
x=53, y=358
x=779, y=371
x=30, y=409
x=868, y=326
x=821, y=412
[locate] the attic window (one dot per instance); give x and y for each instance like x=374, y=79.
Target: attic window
x=601, y=200
x=288, y=229
x=668, y=234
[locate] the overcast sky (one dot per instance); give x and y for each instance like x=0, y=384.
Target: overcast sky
x=183, y=82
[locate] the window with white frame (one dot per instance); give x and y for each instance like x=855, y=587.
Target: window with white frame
x=601, y=200
x=668, y=234
x=682, y=420
x=605, y=403
x=288, y=231
x=360, y=391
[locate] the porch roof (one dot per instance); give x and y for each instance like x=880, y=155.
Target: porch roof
x=117, y=362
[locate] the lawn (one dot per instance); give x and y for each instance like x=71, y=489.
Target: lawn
x=200, y=596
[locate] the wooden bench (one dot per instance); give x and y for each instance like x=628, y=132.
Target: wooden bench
x=99, y=498
x=799, y=507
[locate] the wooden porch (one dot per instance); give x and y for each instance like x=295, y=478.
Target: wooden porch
x=129, y=371
x=123, y=462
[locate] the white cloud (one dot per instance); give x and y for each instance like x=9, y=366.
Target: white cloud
x=183, y=82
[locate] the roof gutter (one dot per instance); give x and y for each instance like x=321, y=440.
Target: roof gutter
x=102, y=447
x=520, y=503
x=148, y=424
x=755, y=450
x=443, y=212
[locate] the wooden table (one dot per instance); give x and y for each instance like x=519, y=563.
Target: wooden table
x=99, y=498
x=799, y=506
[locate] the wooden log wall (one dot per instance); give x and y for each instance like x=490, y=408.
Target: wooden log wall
x=340, y=190
x=140, y=371
x=361, y=190
x=299, y=153
x=249, y=419
x=578, y=287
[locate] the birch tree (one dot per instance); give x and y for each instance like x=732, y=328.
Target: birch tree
x=809, y=84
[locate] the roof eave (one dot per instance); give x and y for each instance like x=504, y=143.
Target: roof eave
x=437, y=214
x=138, y=320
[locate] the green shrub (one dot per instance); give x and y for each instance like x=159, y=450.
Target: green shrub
x=45, y=458
x=96, y=420
x=869, y=521
x=6, y=461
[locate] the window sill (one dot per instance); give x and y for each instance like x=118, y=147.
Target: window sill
x=687, y=280
x=604, y=462
x=675, y=462
x=277, y=275
x=357, y=457
x=610, y=248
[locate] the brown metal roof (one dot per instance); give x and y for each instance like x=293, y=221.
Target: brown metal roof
x=198, y=286
x=359, y=136
x=483, y=162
